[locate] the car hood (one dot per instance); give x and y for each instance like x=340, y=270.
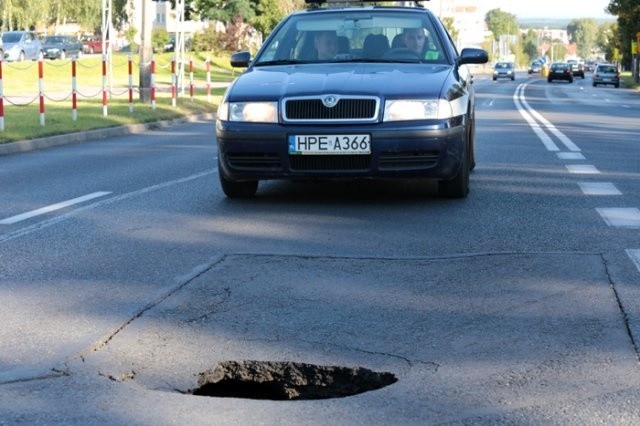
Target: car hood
x=384, y=80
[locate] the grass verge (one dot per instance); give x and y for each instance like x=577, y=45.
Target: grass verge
x=21, y=106
x=628, y=81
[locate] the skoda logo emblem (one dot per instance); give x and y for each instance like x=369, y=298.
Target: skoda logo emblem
x=330, y=101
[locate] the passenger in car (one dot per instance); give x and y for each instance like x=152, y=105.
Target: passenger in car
x=414, y=39
x=326, y=45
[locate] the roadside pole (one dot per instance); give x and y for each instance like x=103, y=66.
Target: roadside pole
x=146, y=52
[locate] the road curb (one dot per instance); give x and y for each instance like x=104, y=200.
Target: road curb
x=80, y=137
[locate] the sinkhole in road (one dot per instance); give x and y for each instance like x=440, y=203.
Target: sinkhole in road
x=287, y=380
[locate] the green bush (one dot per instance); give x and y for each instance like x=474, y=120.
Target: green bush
x=159, y=39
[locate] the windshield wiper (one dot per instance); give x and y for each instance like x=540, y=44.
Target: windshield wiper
x=280, y=62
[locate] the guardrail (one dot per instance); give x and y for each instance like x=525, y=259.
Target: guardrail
x=105, y=90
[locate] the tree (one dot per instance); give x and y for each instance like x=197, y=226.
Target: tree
x=268, y=13
x=501, y=23
x=628, y=12
x=583, y=33
x=530, y=44
x=607, y=39
x=448, y=23
x=225, y=10
x=22, y=14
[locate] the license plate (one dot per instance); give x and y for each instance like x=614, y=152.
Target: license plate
x=329, y=144
x=606, y=79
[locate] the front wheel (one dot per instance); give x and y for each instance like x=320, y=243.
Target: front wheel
x=458, y=187
x=233, y=189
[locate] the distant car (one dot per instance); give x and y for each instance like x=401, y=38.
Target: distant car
x=560, y=71
x=606, y=74
x=589, y=66
x=305, y=109
x=92, y=44
x=504, y=70
x=21, y=45
x=535, y=67
x=577, y=68
x=61, y=47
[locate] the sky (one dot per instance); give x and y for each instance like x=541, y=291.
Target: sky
x=573, y=9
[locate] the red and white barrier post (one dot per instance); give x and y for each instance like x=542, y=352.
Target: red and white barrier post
x=1, y=100
x=173, y=81
x=74, y=90
x=130, y=84
x=104, y=85
x=153, y=82
x=208, y=79
x=191, y=78
x=41, y=88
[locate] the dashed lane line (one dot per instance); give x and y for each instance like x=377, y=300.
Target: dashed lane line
x=634, y=255
x=582, y=169
x=599, y=188
x=621, y=217
x=53, y=207
x=570, y=156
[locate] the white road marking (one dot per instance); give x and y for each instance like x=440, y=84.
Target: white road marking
x=546, y=140
x=634, y=255
x=51, y=208
x=582, y=169
x=570, y=156
x=599, y=188
x=61, y=218
x=621, y=217
x=561, y=136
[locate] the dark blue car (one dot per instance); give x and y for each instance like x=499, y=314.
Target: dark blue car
x=354, y=92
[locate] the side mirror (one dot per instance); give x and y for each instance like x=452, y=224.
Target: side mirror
x=240, y=59
x=473, y=56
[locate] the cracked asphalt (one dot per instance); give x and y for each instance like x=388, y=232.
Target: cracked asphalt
x=493, y=338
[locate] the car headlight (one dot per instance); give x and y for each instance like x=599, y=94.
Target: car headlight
x=417, y=109
x=253, y=112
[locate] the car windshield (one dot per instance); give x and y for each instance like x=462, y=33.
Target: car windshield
x=609, y=69
x=54, y=39
x=503, y=65
x=354, y=36
x=11, y=37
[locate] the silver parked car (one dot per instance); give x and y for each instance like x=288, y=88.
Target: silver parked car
x=21, y=45
x=606, y=74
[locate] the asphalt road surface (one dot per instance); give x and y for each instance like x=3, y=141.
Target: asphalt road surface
x=125, y=272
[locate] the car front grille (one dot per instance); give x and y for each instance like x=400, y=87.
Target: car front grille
x=328, y=163
x=346, y=109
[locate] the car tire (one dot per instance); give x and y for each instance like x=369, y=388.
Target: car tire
x=617, y=85
x=472, y=145
x=549, y=80
x=233, y=189
x=594, y=84
x=570, y=81
x=494, y=79
x=458, y=187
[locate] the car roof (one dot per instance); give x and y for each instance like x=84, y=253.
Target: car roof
x=319, y=6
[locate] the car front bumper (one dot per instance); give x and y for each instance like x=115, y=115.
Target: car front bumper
x=260, y=151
